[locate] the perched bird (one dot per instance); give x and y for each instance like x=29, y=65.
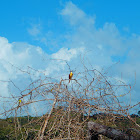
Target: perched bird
x=70, y=76
x=19, y=102
x=30, y=95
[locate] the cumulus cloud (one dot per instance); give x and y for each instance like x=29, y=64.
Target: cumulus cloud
x=66, y=54
x=17, y=58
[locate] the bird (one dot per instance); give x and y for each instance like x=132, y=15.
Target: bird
x=70, y=76
x=30, y=95
x=19, y=102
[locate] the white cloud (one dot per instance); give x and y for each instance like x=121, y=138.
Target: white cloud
x=34, y=30
x=76, y=16
x=17, y=55
x=17, y=58
x=66, y=54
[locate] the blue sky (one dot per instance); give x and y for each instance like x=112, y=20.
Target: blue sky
x=34, y=31
x=17, y=16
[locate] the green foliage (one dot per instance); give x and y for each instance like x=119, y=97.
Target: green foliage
x=139, y=113
x=138, y=120
x=31, y=135
x=7, y=126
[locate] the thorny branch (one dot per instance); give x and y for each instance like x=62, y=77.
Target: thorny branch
x=71, y=105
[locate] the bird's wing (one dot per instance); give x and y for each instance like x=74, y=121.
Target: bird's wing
x=69, y=76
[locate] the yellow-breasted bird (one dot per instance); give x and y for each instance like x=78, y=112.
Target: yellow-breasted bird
x=70, y=76
x=19, y=102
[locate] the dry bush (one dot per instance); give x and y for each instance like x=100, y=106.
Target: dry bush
x=67, y=107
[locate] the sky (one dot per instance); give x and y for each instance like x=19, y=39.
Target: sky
x=34, y=31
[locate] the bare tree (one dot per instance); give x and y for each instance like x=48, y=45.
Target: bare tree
x=67, y=107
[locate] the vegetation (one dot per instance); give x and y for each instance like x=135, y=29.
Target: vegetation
x=67, y=106
x=7, y=126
